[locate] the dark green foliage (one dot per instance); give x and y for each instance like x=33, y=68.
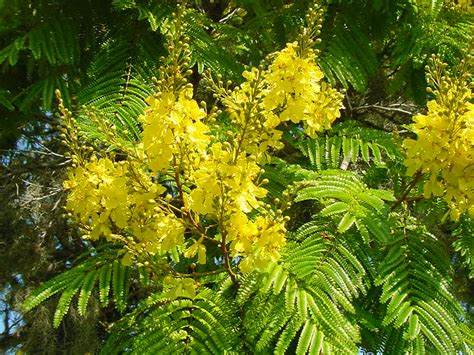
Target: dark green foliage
x=464, y=243
x=347, y=55
x=342, y=193
x=419, y=299
x=205, y=324
x=313, y=293
x=361, y=271
x=102, y=269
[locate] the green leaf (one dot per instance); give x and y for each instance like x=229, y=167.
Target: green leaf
x=306, y=337
x=346, y=222
x=65, y=300
x=12, y=51
x=50, y=288
x=119, y=285
x=5, y=100
x=105, y=277
x=413, y=327
x=365, y=151
x=317, y=344
x=336, y=207
x=86, y=291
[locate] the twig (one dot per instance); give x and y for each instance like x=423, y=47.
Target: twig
x=41, y=186
x=45, y=196
x=225, y=255
x=349, y=103
x=32, y=151
x=394, y=109
x=412, y=184
x=229, y=16
x=197, y=274
x=225, y=251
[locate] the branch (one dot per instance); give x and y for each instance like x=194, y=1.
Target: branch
x=225, y=251
x=385, y=108
x=225, y=255
x=229, y=16
x=349, y=103
x=410, y=187
x=197, y=274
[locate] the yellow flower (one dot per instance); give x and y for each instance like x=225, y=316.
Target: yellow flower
x=221, y=180
x=98, y=193
x=295, y=88
x=259, y=242
x=444, y=148
x=173, y=127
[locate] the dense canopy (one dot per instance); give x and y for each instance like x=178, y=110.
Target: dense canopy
x=237, y=176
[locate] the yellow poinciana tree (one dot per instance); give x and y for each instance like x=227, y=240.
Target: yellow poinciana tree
x=254, y=223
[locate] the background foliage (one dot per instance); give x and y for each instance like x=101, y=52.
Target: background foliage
x=358, y=274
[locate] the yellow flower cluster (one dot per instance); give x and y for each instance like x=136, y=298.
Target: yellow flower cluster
x=98, y=195
x=225, y=180
x=108, y=198
x=444, y=148
x=292, y=89
x=296, y=91
x=213, y=181
x=226, y=190
x=257, y=131
x=258, y=241
x=173, y=126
